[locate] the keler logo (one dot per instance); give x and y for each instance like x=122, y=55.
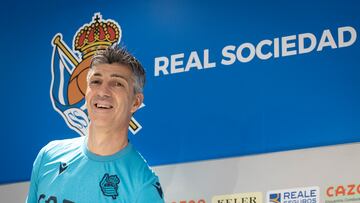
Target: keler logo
x=70, y=66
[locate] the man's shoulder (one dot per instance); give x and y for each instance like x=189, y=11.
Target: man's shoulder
x=149, y=188
x=140, y=166
x=136, y=158
x=59, y=147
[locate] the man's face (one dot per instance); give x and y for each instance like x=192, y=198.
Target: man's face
x=110, y=97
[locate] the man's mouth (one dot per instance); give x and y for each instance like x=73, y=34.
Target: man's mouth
x=103, y=106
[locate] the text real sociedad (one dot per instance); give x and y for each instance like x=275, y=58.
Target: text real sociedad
x=279, y=47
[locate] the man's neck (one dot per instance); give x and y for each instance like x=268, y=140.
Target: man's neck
x=106, y=142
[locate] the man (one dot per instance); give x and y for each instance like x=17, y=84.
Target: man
x=103, y=166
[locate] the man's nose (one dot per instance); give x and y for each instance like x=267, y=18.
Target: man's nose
x=104, y=90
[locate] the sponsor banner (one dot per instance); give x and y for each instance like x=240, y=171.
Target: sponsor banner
x=298, y=176
x=294, y=195
x=349, y=193
x=254, y=197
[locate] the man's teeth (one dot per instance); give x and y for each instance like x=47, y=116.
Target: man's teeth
x=104, y=106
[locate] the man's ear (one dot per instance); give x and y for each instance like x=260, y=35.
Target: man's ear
x=138, y=100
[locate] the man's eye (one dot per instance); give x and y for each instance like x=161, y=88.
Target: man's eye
x=118, y=84
x=94, y=82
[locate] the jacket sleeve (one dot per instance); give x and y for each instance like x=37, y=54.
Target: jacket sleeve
x=32, y=194
x=151, y=192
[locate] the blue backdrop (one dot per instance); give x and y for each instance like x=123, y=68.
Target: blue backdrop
x=282, y=103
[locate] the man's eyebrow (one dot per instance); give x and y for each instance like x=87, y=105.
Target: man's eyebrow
x=118, y=76
x=97, y=74
x=114, y=75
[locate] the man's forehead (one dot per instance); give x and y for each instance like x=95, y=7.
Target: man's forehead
x=112, y=70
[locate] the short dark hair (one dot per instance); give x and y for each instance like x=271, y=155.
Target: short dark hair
x=116, y=54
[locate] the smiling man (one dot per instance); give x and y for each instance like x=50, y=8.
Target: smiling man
x=102, y=166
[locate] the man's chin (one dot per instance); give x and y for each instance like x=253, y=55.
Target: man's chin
x=101, y=122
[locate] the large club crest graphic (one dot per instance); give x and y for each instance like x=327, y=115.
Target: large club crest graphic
x=70, y=66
